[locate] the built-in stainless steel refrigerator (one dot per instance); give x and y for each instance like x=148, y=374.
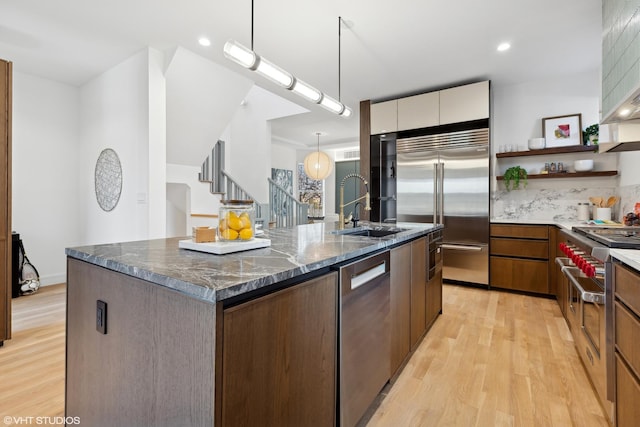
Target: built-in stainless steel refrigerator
x=444, y=179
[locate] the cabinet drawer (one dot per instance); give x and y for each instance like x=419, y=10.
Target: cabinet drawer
x=627, y=284
x=520, y=231
x=628, y=336
x=627, y=396
x=520, y=248
x=520, y=274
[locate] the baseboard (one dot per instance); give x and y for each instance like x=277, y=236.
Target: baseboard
x=53, y=279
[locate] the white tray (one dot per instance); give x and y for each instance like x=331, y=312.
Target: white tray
x=221, y=248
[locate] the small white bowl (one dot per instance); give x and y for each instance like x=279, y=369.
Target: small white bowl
x=536, y=143
x=583, y=165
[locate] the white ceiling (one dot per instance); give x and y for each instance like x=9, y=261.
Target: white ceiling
x=391, y=48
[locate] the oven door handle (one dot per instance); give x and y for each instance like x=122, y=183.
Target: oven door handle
x=594, y=297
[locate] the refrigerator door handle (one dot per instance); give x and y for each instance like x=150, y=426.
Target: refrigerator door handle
x=441, y=192
x=435, y=193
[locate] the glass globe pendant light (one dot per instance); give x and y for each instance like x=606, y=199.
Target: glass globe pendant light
x=318, y=165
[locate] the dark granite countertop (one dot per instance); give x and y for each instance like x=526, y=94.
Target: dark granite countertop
x=293, y=252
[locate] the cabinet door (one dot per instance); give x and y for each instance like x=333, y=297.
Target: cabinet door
x=464, y=103
x=418, y=289
x=419, y=111
x=384, y=117
x=5, y=200
x=279, y=357
x=627, y=395
x=400, y=259
x=434, y=298
x=520, y=274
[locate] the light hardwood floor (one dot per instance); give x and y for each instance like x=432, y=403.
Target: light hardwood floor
x=492, y=359
x=32, y=361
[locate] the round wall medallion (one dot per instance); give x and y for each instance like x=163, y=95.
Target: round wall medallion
x=108, y=179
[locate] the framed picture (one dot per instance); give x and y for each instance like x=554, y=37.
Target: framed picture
x=561, y=131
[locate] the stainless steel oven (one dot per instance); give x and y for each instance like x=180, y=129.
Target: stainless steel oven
x=587, y=315
x=589, y=273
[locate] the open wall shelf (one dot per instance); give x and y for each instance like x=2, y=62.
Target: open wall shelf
x=568, y=175
x=554, y=150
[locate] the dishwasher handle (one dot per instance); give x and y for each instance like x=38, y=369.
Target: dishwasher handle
x=367, y=276
x=462, y=247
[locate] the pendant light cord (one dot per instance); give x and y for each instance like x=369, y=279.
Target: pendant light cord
x=339, y=56
x=252, y=25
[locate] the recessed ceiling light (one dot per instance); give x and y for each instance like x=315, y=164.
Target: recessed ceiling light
x=204, y=41
x=625, y=112
x=503, y=46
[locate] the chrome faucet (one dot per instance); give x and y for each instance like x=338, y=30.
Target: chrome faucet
x=367, y=201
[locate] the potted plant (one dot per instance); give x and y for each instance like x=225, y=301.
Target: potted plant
x=590, y=134
x=513, y=176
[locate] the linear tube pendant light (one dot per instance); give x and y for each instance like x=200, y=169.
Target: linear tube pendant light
x=249, y=59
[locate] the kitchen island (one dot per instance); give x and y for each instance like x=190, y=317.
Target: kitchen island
x=158, y=335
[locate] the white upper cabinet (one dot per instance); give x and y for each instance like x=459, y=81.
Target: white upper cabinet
x=455, y=105
x=419, y=111
x=464, y=103
x=384, y=117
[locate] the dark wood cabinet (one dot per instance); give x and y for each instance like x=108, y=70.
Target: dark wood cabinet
x=520, y=257
x=400, y=259
x=627, y=345
x=155, y=364
x=5, y=201
x=418, y=290
x=434, y=298
x=416, y=301
x=278, y=357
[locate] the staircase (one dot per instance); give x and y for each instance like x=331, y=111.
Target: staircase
x=284, y=210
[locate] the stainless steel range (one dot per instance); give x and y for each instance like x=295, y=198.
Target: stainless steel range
x=613, y=237
x=589, y=298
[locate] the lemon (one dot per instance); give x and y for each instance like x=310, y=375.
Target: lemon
x=223, y=225
x=246, y=221
x=229, y=234
x=235, y=223
x=246, y=234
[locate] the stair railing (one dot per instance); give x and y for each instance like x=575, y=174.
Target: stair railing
x=286, y=210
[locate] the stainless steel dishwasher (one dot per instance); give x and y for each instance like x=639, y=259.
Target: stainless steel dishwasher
x=365, y=335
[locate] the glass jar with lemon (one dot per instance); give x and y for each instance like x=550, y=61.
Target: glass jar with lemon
x=236, y=220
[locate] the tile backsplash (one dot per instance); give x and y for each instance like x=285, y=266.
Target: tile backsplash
x=629, y=195
x=558, y=204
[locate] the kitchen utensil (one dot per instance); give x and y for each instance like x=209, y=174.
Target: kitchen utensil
x=583, y=165
x=597, y=201
x=612, y=201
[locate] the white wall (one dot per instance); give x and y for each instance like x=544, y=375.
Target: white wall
x=517, y=116
x=200, y=201
x=116, y=114
x=45, y=178
x=178, y=207
x=157, y=145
